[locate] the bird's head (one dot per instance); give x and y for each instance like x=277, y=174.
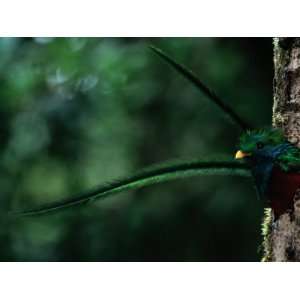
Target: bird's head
x=261, y=144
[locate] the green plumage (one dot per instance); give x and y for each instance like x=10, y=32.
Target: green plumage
x=156, y=174
x=194, y=79
x=269, y=136
x=252, y=141
x=290, y=160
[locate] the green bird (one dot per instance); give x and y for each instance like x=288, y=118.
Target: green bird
x=266, y=155
x=275, y=166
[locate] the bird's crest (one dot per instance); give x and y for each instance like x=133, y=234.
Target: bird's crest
x=254, y=139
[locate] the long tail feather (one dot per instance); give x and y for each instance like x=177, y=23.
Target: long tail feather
x=192, y=77
x=150, y=176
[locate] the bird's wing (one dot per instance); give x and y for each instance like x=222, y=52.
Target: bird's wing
x=289, y=161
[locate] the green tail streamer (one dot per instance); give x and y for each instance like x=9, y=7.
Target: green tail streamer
x=153, y=175
x=193, y=78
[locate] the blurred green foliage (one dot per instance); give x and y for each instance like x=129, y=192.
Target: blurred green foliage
x=78, y=112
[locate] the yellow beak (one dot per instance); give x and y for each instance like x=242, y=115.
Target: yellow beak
x=240, y=154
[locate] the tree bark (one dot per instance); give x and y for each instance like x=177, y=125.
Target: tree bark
x=282, y=237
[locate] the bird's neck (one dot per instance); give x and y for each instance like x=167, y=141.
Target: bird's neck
x=262, y=165
x=262, y=170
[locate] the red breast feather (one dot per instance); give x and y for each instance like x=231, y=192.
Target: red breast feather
x=282, y=189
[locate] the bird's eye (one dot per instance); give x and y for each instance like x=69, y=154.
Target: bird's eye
x=259, y=145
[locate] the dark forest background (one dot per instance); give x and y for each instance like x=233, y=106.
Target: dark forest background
x=79, y=112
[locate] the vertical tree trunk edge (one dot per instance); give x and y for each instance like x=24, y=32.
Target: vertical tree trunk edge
x=281, y=238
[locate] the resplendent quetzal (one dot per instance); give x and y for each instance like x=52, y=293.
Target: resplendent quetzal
x=266, y=155
x=275, y=165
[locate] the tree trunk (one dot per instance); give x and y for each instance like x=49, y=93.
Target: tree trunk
x=282, y=237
